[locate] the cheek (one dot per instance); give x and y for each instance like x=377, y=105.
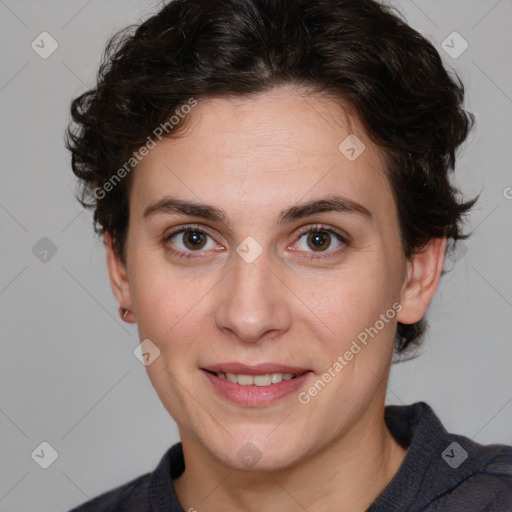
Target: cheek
x=170, y=305
x=170, y=314
x=158, y=300
x=347, y=301
x=358, y=343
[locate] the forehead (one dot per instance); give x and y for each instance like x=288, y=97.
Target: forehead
x=274, y=147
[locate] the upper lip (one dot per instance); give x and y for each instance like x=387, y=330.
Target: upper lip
x=254, y=369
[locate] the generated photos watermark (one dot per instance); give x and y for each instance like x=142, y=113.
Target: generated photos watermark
x=158, y=132
x=305, y=397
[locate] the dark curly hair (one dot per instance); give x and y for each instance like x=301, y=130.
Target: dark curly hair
x=358, y=51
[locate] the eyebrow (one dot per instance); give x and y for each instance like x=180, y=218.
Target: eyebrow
x=172, y=205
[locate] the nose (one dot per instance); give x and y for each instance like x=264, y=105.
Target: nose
x=253, y=301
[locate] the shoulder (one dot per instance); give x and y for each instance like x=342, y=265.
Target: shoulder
x=130, y=497
x=491, y=482
x=482, y=482
x=442, y=470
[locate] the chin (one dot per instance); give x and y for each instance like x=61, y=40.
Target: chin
x=259, y=453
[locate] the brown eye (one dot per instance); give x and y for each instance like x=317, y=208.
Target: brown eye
x=188, y=242
x=318, y=240
x=194, y=239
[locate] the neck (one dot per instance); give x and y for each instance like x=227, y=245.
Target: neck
x=353, y=470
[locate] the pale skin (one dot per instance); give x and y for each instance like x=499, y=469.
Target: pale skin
x=254, y=157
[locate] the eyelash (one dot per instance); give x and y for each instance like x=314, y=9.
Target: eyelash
x=190, y=255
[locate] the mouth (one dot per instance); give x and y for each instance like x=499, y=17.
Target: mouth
x=254, y=386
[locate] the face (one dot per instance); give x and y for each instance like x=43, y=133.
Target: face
x=267, y=288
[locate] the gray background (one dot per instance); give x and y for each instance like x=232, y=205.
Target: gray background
x=68, y=374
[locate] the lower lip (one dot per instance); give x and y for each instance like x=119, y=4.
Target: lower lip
x=255, y=396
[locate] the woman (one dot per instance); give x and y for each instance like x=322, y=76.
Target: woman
x=272, y=183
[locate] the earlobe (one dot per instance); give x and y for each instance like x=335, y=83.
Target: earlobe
x=118, y=278
x=423, y=275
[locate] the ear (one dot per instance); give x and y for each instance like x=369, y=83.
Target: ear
x=423, y=274
x=118, y=279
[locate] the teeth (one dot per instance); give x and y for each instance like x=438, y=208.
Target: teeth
x=275, y=378
x=256, y=380
x=262, y=380
x=245, y=380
